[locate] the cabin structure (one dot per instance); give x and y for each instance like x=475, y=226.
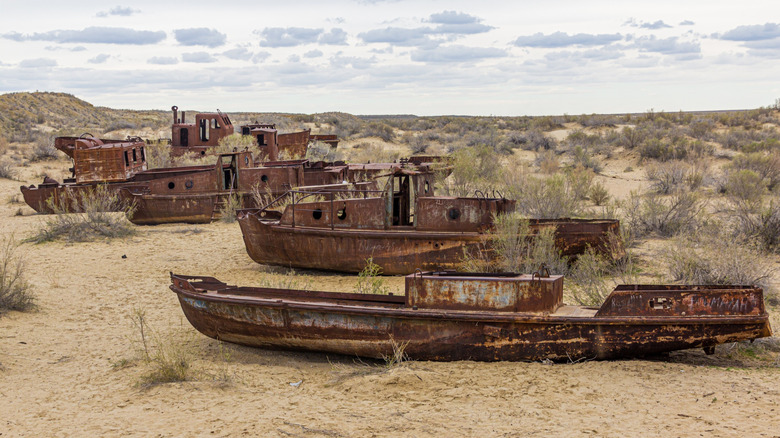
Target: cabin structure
x=100, y=161
x=198, y=137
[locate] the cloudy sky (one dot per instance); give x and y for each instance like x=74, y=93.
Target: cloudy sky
x=397, y=57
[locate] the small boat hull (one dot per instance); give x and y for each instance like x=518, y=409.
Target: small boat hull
x=379, y=326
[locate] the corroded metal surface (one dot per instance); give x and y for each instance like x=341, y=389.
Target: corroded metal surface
x=198, y=137
x=372, y=325
x=401, y=229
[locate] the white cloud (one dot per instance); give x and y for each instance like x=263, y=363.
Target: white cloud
x=198, y=57
x=94, y=34
x=200, y=36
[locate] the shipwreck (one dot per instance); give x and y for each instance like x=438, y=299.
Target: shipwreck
x=448, y=316
x=402, y=227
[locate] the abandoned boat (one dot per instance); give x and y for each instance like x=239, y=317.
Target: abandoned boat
x=487, y=317
x=401, y=228
x=210, y=128
x=205, y=196
x=111, y=163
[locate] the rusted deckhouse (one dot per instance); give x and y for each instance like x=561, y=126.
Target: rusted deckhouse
x=273, y=144
x=198, y=137
x=210, y=128
x=488, y=317
x=401, y=228
x=201, y=197
x=95, y=161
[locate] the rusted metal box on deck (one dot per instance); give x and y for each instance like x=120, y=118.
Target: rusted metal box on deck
x=506, y=292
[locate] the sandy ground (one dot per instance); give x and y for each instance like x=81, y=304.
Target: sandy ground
x=72, y=368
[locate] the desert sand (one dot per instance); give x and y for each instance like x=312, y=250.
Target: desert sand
x=73, y=367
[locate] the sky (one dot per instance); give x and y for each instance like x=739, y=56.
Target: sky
x=397, y=57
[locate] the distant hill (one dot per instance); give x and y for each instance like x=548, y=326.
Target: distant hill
x=23, y=116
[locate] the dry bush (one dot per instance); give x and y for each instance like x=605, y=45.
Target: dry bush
x=15, y=292
x=44, y=150
x=7, y=170
x=319, y=151
x=236, y=142
x=103, y=214
x=510, y=247
x=552, y=197
x=663, y=149
x=398, y=355
x=712, y=258
x=547, y=162
x=675, y=175
x=580, y=179
x=228, y=213
x=588, y=279
x=533, y=140
x=759, y=224
x=662, y=215
x=765, y=164
x=378, y=129
x=585, y=158
x=166, y=358
x=474, y=169
x=371, y=153
x=158, y=155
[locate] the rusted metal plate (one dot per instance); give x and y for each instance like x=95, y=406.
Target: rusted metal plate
x=401, y=231
x=331, y=140
x=371, y=325
x=508, y=293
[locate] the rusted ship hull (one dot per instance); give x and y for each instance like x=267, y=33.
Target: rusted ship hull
x=395, y=251
x=341, y=323
x=63, y=196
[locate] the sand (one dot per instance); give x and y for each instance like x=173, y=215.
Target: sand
x=73, y=367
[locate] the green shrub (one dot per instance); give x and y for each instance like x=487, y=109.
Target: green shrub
x=370, y=280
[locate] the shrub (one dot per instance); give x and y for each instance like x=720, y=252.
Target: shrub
x=761, y=226
x=474, y=168
x=669, y=176
x=745, y=188
x=663, y=150
x=533, y=140
x=370, y=280
x=379, y=129
x=588, y=279
x=102, y=214
x=44, y=150
x=599, y=194
x=158, y=155
x=15, y=292
x=511, y=247
x=168, y=360
x=228, y=212
x=664, y=216
x=765, y=164
x=716, y=260
x=319, y=151
x=7, y=170
x=552, y=197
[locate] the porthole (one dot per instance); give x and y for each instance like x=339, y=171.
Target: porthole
x=453, y=214
x=342, y=213
x=203, y=152
x=188, y=184
x=317, y=214
x=264, y=178
x=171, y=185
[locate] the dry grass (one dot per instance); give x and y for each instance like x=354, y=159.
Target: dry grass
x=370, y=280
x=103, y=214
x=15, y=292
x=166, y=358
